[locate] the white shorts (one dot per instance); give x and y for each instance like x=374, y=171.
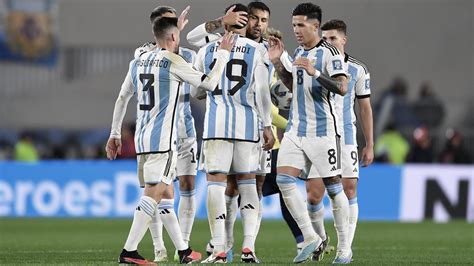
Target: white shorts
x=187, y=157
x=224, y=156
x=154, y=168
x=265, y=161
x=304, y=152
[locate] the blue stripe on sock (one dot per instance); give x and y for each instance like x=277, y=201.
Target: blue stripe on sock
x=353, y=201
x=315, y=208
x=146, y=207
x=186, y=193
x=212, y=183
x=334, y=189
x=165, y=206
x=285, y=179
x=246, y=181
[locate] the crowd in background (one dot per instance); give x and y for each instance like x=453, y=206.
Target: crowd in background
x=406, y=132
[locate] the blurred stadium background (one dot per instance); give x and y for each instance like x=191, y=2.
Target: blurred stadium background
x=61, y=66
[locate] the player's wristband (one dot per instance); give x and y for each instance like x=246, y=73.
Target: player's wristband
x=317, y=73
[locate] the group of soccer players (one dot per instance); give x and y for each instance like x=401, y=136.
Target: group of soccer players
x=234, y=73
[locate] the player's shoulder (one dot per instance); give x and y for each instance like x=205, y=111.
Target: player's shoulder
x=173, y=57
x=146, y=47
x=357, y=63
x=329, y=47
x=187, y=54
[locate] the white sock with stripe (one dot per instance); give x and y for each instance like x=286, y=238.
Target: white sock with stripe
x=186, y=213
x=141, y=220
x=216, y=213
x=340, y=210
x=353, y=217
x=316, y=214
x=232, y=207
x=156, y=230
x=249, y=205
x=170, y=221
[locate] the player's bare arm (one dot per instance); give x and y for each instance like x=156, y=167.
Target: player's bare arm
x=337, y=84
x=274, y=53
x=182, y=20
x=365, y=112
x=230, y=18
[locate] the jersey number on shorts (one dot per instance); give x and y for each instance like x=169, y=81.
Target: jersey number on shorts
x=354, y=157
x=239, y=78
x=148, y=86
x=193, y=156
x=332, y=156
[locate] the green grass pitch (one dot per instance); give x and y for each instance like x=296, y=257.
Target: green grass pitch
x=99, y=242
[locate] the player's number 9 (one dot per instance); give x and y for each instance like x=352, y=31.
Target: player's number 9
x=228, y=73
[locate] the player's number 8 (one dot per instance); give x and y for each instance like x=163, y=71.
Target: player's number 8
x=332, y=156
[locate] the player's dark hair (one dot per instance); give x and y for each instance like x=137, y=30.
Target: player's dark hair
x=258, y=5
x=310, y=10
x=238, y=8
x=162, y=25
x=335, y=24
x=159, y=11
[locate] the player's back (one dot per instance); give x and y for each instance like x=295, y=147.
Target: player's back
x=231, y=109
x=358, y=87
x=312, y=111
x=157, y=92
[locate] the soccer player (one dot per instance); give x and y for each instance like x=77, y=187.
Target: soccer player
x=231, y=136
x=187, y=149
x=258, y=21
x=156, y=78
x=335, y=33
x=312, y=136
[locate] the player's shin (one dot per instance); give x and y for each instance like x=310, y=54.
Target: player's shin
x=316, y=214
x=186, y=213
x=232, y=207
x=141, y=220
x=340, y=209
x=296, y=206
x=170, y=221
x=249, y=205
x=216, y=213
x=353, y=217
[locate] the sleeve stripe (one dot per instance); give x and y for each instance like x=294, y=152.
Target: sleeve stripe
x=203, y=77
x=357, y=62
x=333, y=49
x=363, y=96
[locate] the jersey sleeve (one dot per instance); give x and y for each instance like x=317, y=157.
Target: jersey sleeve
x=335, y=65
x=146, y=47
x=126, y=92
x=199, y=36
x=287, y=61
x=262, y=91
x=362, y=86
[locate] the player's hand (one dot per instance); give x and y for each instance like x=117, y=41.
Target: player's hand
x=268, y=139
x=304, y=63
x=367, y=156
x=182, y=20
x=113, y=147
x=276, y=49
x=235, y=18
x=227, y=41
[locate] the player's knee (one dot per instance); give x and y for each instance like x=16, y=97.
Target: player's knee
x=185, y=184
x=334, y=189
x=314, y=197
x=350, y=192
x=285, y=182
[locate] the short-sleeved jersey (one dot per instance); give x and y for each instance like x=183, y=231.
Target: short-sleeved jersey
x=358, y=87
x=186, y=128
x=157, y=77
x=231, y=109
x=312, y=111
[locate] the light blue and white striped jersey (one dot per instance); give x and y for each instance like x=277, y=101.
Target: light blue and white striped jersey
x=231, y=110
x=312, y=111
x=186, y=128
x=157, y=77
x=359, y=86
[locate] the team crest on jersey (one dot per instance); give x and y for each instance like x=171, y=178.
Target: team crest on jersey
x=337, y=64
x=367, y=84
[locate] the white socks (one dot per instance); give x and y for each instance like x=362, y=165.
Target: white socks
x=141, y=219
x=340, y=210
x=353, y=217
x=316, y=214
x=186, y=213
x=249, y=205
x=156, y=230
x=170, y=221
x=232, y=207
x=259, y=219
x=296, y=206
x=216, y=213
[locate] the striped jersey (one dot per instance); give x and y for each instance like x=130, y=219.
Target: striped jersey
x=312, y=111
x=358, y=87
x=231, y=111
x=186, y=128
x=157, y=77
